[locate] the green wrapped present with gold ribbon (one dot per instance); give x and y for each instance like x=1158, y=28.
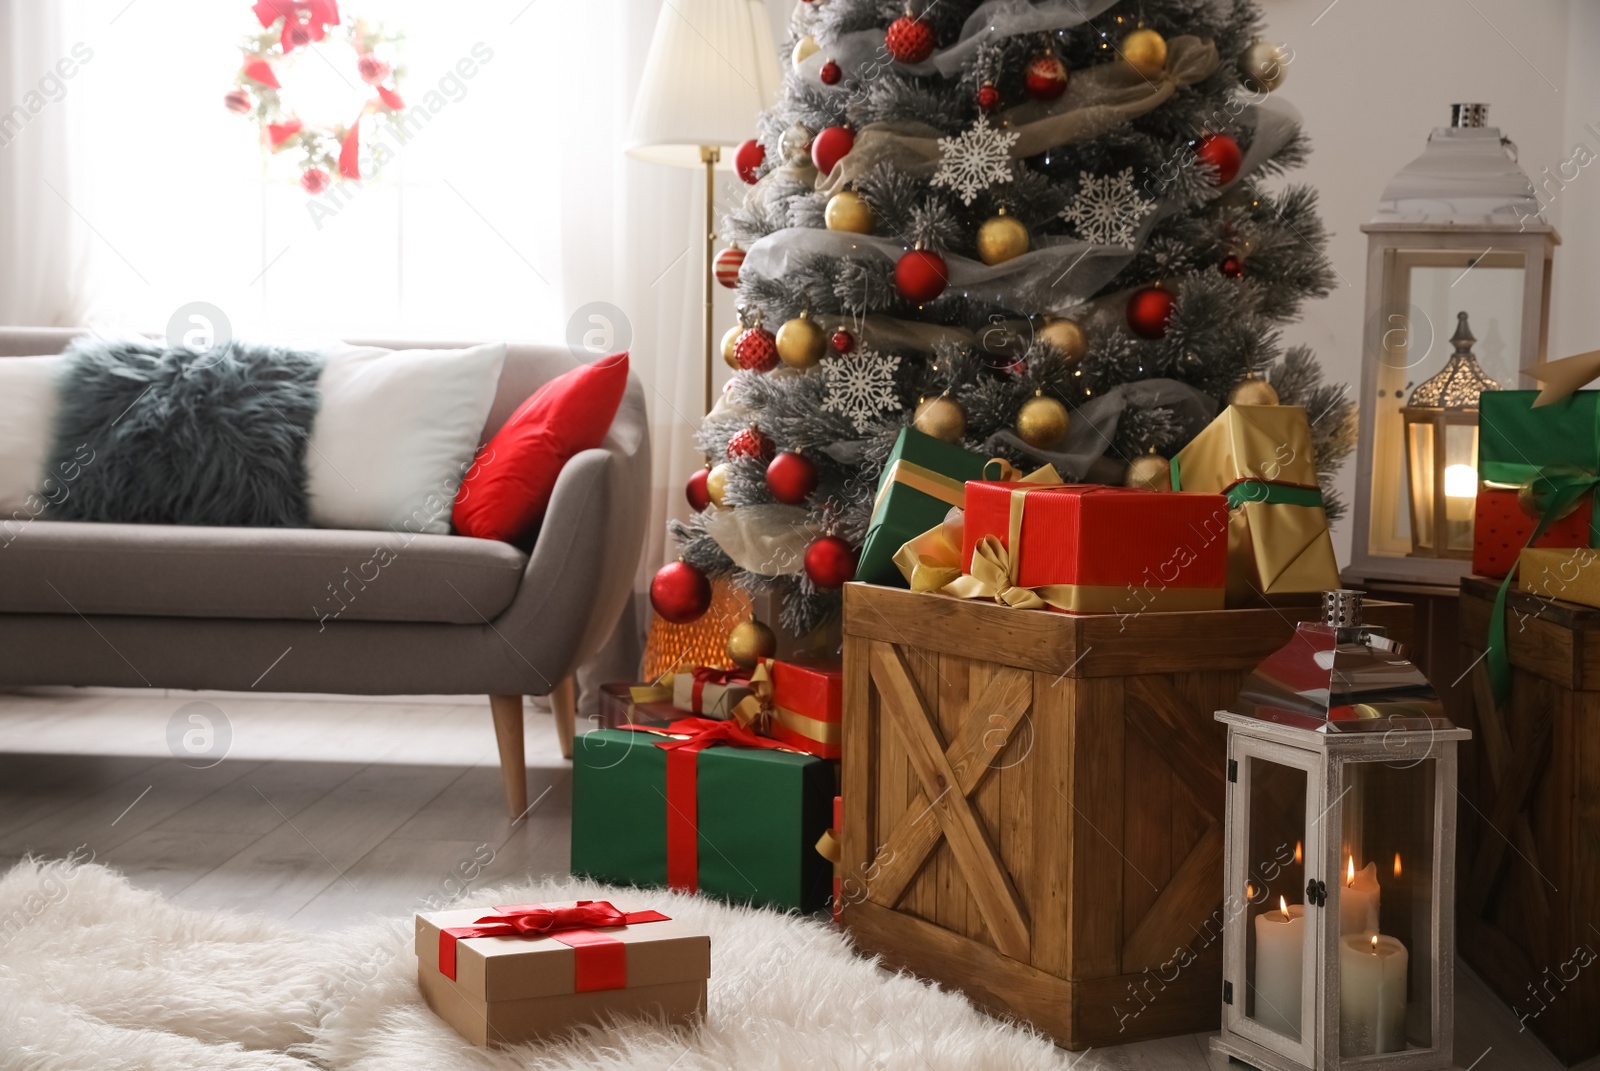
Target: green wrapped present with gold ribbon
x=921, y=480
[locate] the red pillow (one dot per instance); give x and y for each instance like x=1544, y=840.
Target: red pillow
x=506, y=492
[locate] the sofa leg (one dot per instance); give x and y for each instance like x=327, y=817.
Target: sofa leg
x=507, y=710
x=564, y=704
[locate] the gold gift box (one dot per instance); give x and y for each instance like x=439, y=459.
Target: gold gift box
x=1569, y=575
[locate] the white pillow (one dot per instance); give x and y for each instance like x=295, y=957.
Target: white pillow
x=29, y=398
x=396, y=433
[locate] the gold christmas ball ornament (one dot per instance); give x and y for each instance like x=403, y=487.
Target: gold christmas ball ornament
x=1145, y=51
x=749, y=642
x=1000, y=238
x=801, y=342
x=1066, y=336
x=803, y=49
x=1042, y=423
x=717, y=484
x=1253, y=391
x=730, y=340
x=848, y=211
x=795, y=145
x=1151, y=472
x=1264, y=66
x=941, y=418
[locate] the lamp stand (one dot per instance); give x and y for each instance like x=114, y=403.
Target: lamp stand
x=709, y=155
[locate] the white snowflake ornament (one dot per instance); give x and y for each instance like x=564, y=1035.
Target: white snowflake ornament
x=975, y=160
x=861, y=386
x=1107, y=210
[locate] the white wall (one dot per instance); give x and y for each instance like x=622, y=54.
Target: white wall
x=1372, y=77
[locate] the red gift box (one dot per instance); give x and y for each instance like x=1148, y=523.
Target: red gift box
x=800, y=704
x=1106, y=549
x=1500, y=529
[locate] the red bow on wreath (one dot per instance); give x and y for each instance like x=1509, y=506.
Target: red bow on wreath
x=304, y=21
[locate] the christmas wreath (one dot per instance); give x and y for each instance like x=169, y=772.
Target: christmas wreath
x=290, y=31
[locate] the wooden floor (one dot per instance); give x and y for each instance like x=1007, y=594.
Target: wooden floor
x=325, y=810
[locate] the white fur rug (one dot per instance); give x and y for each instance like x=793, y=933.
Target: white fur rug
x=97, y=974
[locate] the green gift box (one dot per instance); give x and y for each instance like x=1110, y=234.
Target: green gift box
x=921, y=480
x=752, y=818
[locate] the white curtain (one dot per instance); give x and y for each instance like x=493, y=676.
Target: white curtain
x=42, y=242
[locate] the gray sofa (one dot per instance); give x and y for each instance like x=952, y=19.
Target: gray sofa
x=251, y=608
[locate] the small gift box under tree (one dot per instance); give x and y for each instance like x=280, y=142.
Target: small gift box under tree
x=922, y=478
x=530, y=972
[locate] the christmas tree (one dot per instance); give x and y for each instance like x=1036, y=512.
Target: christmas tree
x=1041, y=230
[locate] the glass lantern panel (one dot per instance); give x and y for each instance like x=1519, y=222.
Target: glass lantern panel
x=1460, y=485
x=1419, y=476
x=1423, y=290
x=1386, y=901
x=1279, y=938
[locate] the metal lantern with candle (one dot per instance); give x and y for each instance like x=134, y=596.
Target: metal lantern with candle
x=1338, y=932
x=1441, y=421
x=1458, y=228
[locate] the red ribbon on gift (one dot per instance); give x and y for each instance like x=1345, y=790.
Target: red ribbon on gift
x=704, y=675
x=601, y=961
x=683, y=818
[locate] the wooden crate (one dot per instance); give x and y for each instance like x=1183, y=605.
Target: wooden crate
x=1033, y=802
x=1528, y=879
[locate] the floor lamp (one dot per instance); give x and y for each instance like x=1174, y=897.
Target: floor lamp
x=711, y=70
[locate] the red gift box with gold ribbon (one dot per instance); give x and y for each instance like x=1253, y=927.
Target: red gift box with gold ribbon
x=1088, y=548
x=525, y=972
x=799, y=704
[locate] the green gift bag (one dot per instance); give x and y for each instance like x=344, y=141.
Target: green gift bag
x=921, y=480
x=755, y=818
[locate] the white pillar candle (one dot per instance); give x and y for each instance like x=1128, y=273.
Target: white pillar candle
x=1358, y=899
x=1372, y=994
x=1280, y=952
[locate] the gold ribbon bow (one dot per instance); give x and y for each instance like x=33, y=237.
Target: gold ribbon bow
x=932, y=560
x=659, y=690
x=755, y=709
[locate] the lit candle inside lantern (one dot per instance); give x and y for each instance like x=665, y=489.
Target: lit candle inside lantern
x=1460, y=491
x=1280, y=955
x=1358, y=900
x=1372, y=995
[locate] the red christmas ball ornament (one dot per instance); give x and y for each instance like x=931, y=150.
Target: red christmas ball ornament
x=756, y=350
x=830, y=73
x=829, y=146
x=1149, y=309
x=1045, y=76
x=909, y=40
x=988, y=97
x=237, y=101
x=749, y=442
x=727, y=266
x=748, y=158
x=1223, y=154
x=830, y=563
x=921, y=275
x=313, y=180
x=842, y=341
x=791, y=478
x=372, y=69
x=680, y=593
x=1231, y=266
x=695, y=491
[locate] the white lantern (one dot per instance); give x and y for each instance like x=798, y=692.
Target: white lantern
x=1339, y=906
x=1458, y=230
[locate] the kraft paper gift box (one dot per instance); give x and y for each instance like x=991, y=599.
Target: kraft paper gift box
x=1260, y=457
x=706, y=806
x=1087, y=548
x=1516, y=443
x=497, y=986
x=710, y=693
x=619, y=706
x=921, y=480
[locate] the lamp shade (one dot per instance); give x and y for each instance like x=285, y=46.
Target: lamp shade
x=712, y=68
